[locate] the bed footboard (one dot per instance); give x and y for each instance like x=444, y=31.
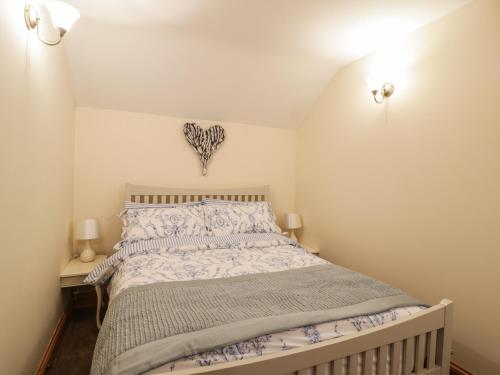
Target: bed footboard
x=420, y=344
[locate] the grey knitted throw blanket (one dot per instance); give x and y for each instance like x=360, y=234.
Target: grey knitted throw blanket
x=148, y=326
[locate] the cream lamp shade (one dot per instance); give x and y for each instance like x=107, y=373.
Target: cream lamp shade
x=293, y=221
x=63, y=15
x=87, y=229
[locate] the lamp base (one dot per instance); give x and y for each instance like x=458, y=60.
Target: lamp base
x=293, y=236
x=87, y=254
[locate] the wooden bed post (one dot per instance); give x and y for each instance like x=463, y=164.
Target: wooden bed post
x=98, y=291
x=445, y=338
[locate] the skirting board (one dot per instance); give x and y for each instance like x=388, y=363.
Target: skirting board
x=458, y=370
x=54, y=340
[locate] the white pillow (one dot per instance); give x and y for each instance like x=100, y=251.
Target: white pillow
x=144, y=223
x=226, y=217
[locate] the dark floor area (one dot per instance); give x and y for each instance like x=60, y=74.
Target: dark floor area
x=73, y=355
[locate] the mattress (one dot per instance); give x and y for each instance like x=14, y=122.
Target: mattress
x=238, y=256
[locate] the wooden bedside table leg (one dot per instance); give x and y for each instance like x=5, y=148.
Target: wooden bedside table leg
x=99, y=303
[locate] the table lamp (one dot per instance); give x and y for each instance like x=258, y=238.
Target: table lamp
x=292, y=222
x=86, y=229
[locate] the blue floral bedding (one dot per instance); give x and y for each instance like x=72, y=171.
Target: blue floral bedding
x=179, y=259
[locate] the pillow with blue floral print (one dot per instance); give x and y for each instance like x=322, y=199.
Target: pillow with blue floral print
x=144, y=223
x=239, y=217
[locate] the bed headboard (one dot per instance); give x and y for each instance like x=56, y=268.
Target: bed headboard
x=151, y=194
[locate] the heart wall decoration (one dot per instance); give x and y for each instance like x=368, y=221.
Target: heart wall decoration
x=204, y=141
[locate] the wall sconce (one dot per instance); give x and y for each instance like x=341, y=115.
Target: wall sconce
x=388, y=69
x=385, y=91
x=63, y=16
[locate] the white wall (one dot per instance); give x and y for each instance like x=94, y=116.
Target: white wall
x=36, y=164
x=409, y=193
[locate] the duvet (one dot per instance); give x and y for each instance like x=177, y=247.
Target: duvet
x=291, y=292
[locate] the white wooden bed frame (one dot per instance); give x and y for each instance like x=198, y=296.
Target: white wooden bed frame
x=420, y=344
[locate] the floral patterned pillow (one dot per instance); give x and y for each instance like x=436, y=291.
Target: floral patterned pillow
x=239, y=217
x=146, y=223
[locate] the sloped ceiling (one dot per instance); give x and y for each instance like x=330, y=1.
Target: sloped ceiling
x=261, y=62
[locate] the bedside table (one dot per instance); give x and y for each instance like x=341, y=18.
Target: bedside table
x=75, y=272
x=311, y=250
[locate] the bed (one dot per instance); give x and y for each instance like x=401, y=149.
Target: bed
x=406, y=338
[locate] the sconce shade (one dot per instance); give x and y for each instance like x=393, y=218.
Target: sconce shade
x=293, y=221
x=63, y=15
x=86, y=229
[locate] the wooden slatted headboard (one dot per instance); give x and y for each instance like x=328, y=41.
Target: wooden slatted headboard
x=151, y=194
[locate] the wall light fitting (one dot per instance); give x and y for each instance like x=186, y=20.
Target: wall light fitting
x=385, y=91
x=63, y=16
